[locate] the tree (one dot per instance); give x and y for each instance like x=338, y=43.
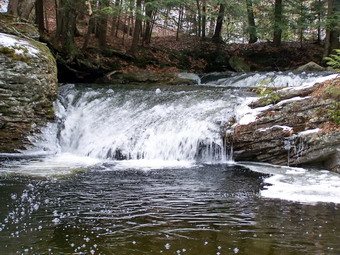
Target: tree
x=102, y=22
x=13, y=7
x=251, y=22
x=199, y=19
x=180, y=21
x=318, y=10
x=39, y=16
x=204, y=17
x=217, y=37
x=277, y=22
x=333, y=27
x=21, y=8
x=66, y=26
x=149, y=12
x=138, y=26
x=25, y=8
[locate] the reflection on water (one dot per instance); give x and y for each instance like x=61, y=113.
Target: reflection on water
x=204, y=209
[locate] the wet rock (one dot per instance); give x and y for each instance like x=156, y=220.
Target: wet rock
x=149, y=77
x=239, y=65
x=291, y=132
x=311, y=67
x=28, y=88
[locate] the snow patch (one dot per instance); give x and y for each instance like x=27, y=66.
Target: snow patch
x=291, y=100
x=247, y=115
x=21, y=46
x=307, y=132
x=284, y=128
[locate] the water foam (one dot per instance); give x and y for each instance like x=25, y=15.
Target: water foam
x=270, y=79
x=298, y=184
x=141, y=124
x=51, y=166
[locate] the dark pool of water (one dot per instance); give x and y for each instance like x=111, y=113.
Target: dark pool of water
x=210, y=209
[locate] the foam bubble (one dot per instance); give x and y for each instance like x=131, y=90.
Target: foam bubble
x=298, y=184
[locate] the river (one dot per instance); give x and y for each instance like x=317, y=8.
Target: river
x=144, y=170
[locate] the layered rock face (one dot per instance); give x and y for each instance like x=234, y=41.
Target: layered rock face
x=28, y=88
x=296, y=130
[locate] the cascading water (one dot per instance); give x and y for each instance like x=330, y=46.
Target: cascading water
x=169, y=124
x=152, y=124
x=254, y=80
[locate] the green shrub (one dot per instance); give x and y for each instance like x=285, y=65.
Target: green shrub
x=334, y=112
x=333, y=61
x=268, y=95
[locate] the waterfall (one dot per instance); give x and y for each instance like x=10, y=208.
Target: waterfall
x=254, y=80
x=149, y=123
x=180, y=123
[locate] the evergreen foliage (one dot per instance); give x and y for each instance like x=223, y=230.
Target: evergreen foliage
x=333, y=61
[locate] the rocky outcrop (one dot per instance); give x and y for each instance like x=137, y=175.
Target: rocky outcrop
x=299, y=129
x=149, y=77
x=238, y=64
x=28, y=88
x=311, y=67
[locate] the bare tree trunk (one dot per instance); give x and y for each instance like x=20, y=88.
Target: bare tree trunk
x=204, y=17
x=199, y=18
x=89, y=32
x=66, y=27
x=137, y=30
x=148, y=23
x=13, y=7
x=126, y=20
x=102, y=24
x=166, y=22
x=277, y=23
x=46, y=19
x=333, y=27
x=211, y=27
x=115, y=18
x=217, y=37
x=251, y=22
x=39, y=16
x=179, y=23
x=25, y=8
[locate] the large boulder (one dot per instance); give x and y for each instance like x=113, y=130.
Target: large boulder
x=311, y=67
x=299, y=130
x=238, y=64
x=28, y=88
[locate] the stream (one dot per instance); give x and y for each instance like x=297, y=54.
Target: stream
x=145, y=170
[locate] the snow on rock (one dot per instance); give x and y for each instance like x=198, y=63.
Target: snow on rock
x=308, y=132
x=284, y=128
x=21, y=46
x=283, y=102
x=247, y=115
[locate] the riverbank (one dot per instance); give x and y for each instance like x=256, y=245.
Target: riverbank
x=165, y=55
x=292, y=126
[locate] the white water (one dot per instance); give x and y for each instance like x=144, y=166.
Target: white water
x=162, y=128
x=298, y=184
x=254, y=80
x=167, y=124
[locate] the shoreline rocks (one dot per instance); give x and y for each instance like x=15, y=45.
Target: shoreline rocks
x=295, y=131
x=28, y=88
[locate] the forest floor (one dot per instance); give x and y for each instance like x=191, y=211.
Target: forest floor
x=191, y=54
